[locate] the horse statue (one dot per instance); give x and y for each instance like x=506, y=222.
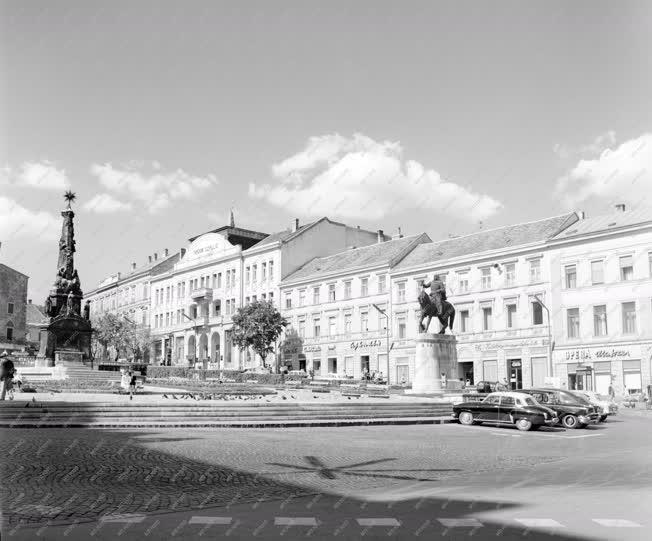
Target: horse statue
x=429, y=310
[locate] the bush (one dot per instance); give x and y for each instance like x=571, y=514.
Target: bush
x=193, y=374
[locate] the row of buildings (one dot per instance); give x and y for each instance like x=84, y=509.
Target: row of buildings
x=569, y=292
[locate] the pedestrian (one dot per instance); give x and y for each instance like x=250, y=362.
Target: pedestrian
x=612, y=392
x=7, y=372
x=124, y=380
x=132, y=384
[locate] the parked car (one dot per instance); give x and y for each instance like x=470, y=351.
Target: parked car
x=573, y=411
x=506, y=408
x=606, y=404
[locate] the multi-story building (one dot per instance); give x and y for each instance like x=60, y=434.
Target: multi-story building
x=499, y=281
x=13, y=308
x=128, y=294
x=338, y=307
x=601, y=305
x=223, y=269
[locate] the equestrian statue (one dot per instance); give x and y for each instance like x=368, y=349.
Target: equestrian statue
x=435, y=305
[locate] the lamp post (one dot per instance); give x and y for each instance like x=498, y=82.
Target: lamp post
x=550, y=368
x=386, y=316
x=194, y=320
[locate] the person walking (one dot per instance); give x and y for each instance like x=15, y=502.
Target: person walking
x=132, y=384
x=7, y=372
x=612, y=392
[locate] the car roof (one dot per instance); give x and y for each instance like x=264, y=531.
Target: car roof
x=507, y=393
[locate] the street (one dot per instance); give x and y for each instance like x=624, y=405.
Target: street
x=399, y=481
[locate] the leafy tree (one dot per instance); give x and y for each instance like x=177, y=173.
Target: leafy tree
x=258, y=326
x=120, y=335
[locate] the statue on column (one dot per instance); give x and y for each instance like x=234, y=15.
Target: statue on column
x=70, y=304
x=435, y=305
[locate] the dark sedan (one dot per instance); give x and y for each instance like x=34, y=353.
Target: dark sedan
x=505, y=408
x=574, y=411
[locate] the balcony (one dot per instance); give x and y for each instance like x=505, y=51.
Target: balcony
x=202, y=294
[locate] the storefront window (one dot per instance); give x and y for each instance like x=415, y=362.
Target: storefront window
x=632, y=376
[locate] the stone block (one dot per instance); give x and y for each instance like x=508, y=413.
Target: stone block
x=435, y=354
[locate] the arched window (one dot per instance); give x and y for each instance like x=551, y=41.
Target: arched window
x=10, y=331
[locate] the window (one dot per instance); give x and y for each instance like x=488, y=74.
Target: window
x=463, y=282
x=573, y=322
x=570, y=274
x=401, y=327
x=626, y=268
x=302, y=297
x=511, y=316
x=271, y=270
x=485, y=279
x=227, y=280
x=347, y=289
x=382, y=283
x=302, y=328
x=288, y=299
x=316, y=327
x=10, y=307
x=254, y=271
x=10, y=331
x=214, y=281
x=248, y=275
x=270, y=296
x=332, y=326
x=247, y=301
x=537, y=313
x=219, y=280
x=347, y=323
x=649, y=263
x=507, y=401
x=465, y=321
x=331, y=292
x=486, y=318
x=263, y=271
x=510, y=274
x=254, y=298
x=597, y=272
x=535, y=270
x=364, y=321
x=629, y=318
x=364, y=287
x=315, y=295
x=400, y=292
x=167, y=319
x=600, y=320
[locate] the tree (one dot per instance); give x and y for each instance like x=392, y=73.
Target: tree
x=119, y=334
x=258, y=326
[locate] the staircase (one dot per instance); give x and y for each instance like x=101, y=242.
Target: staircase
x=173, y=414
x=82, y=372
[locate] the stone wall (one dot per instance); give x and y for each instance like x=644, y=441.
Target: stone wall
x=13, y=288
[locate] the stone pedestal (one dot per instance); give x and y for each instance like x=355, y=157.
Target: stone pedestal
x=435, y=354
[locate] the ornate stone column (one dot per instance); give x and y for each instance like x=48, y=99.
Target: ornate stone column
x=435, y=354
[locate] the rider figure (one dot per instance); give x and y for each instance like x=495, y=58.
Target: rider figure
x=437, y=292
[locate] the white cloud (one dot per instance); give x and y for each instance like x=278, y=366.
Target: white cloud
x=359, y=177
x=155, y=190
x=104, y=203
x=17, y=221
x=42, y=175
x=594, y=148
x=620, y=175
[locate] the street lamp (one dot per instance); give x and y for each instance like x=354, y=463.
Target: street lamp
x=550, y=371
x=194, y=320
x=387, y=336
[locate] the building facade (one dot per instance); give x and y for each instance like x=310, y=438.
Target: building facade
x=193, y=303
x=13, y=308
x=339, y=307
x=601, y=272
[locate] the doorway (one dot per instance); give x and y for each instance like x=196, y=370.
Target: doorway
x=365, y=365
x=332, y=365
x=316, y=367
x=302, y=362
x=581, y=380
x=466, y=372
x=515, y=374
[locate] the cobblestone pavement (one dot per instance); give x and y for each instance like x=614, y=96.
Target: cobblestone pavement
x=62, y=477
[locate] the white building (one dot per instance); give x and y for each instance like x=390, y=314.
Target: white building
x=493, y=278
x=336, y=306
x=192, y=304
x=602, y=302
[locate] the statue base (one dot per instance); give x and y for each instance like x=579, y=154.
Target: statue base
x=65, y=338
x=435, y=354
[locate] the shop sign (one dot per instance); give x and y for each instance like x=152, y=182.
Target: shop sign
x=488, y=346
x=365, y=344
x=516, y=364
x=289, y=350
x=588, y=354
x=311, y=348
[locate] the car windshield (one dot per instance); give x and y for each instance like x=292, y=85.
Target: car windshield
x=567, y=398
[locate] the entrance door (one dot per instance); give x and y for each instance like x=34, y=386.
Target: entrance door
x=348, y=366
x=515, y=374
x=332, y=365
x=302, y=362
x=365, y=365
x=467, y=373
x=316, y=367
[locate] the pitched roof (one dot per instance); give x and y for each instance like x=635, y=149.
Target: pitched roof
x=282, y=235
x=485, y=241
x=34, y=315
x=383, y=253
x=607, y=222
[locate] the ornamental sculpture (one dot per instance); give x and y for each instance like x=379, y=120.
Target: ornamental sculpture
x=435, y=305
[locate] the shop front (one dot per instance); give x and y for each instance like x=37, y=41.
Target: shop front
x=625, y=368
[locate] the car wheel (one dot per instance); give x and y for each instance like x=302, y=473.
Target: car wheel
x=524, y=424
x=570, y=421
x=603, y=418
x=466, y=418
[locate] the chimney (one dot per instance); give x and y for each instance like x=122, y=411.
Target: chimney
x=183, y=252
x=155, y=256
x=381, y=236
x=150, y=258
x=133, y=266
x=398, y=235
x=166, y=252
x=29, y=301
x=620, y=207
x=581, y=214
x=295, y=226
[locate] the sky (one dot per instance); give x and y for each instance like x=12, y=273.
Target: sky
x=443, y=117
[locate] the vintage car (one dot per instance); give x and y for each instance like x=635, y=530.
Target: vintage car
x=606, y=404
x=505, y=408
x=573, y=411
